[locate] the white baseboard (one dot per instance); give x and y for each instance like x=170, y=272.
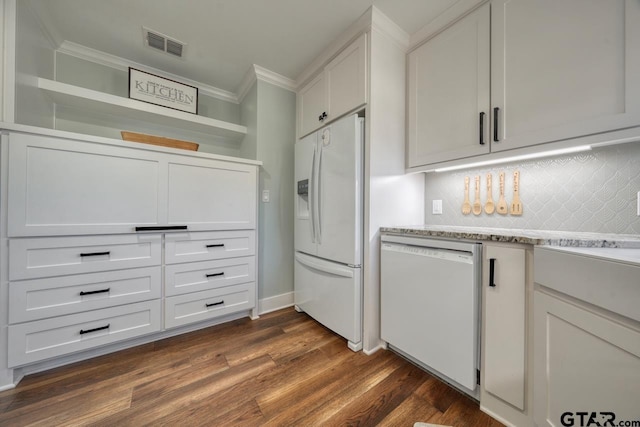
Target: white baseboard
x=267, y=305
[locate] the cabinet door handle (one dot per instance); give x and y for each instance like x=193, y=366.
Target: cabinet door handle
x=322, y=116
x=215, y=274
x=101, y=291
x=496, y=110
x=162, y=228
x=87, y=331
x=94, y=253
x=492, y=270
x=214, y=303
x=216, y=245
x=482, y=128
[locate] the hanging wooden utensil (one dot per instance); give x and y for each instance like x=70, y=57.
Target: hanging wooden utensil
x=516, y=204
x=502, y=207
x=466, y=205
x=489, y=207
x=477, y=206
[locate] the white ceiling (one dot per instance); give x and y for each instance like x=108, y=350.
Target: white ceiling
x=224, y=37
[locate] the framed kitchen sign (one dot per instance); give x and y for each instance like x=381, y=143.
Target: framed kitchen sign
x=157, y=90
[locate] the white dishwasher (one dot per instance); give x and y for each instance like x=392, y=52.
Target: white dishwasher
x=430, y=305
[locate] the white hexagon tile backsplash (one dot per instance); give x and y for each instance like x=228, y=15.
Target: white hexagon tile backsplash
x=593, y=191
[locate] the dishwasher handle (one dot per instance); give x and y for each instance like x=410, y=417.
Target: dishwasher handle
x=492, y=271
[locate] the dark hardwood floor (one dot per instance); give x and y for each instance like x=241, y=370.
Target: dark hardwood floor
x=281, y=370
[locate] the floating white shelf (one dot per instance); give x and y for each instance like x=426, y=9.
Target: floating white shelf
x=92, y=100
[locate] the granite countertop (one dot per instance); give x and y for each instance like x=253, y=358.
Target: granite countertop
x=533, y=237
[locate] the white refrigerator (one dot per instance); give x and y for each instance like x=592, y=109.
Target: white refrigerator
x=328, y=227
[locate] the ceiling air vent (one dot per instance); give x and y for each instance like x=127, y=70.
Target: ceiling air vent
x=159, y=41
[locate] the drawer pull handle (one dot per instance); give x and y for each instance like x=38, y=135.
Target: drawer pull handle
x=161, y=228
x=87, y=331
x=215, y=274
x=482, y=114
x=217, y=245
x=492, y=271
x=496, y=110
x=214, y=303
x=101, y=291
x=94, y=253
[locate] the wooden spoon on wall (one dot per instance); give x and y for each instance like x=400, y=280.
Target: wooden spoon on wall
x=466, y=205
x=477, y=206
x=489, y=207
x=502, y=207
x=516, y=205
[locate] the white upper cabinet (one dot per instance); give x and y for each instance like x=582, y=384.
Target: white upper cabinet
x=563, y=69
x=339, y=88
x=558, y=71
x=448, y=97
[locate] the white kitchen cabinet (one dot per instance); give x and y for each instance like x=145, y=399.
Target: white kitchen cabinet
x=448, y=93
x=506, y=387
x=207, y=194
x=586, y=348
x=563, y=69
x=339, y=88
x=559, y=72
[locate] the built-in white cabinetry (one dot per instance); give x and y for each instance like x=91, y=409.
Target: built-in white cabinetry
x=110, y=241
x=340, y=87
x=559, y=71
x=587, y=339
x=448, y=96
x=506, y=383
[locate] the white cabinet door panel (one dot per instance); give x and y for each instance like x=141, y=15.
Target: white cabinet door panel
x=56, y=296
x=311, y=104
x=346, y=79
x=448, y=89
x=209, y=194
x=564, y=69
x=31, y=258
x=60, y=186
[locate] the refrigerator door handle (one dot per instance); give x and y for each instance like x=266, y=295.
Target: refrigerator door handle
x=326, y=268
x=325, y=134
x=312, y=193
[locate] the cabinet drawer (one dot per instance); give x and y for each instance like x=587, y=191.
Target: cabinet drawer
x=56, y=256
x=203, y=276
x=43, y=339
x=56, y=296
x=198, y=306
x=190, y=247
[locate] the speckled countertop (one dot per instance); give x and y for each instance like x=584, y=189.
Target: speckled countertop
x=533, y=237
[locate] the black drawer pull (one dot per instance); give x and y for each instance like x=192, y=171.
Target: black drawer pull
x=215, y=274
x=94, y=253
x=101, y=291
x=482, y=128
x=214, y=303
x=86, y=331
x=160, y=228
x=492, y=271
x=217, y=245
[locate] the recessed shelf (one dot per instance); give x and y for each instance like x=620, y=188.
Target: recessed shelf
x=79, y=97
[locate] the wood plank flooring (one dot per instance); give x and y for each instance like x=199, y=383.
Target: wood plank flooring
x=283, y=369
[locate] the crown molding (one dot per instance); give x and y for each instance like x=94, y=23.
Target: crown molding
x=381, y=23
x=256, y=73
x=106, y=59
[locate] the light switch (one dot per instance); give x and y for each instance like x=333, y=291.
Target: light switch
x=436, y=207
x=265, y=196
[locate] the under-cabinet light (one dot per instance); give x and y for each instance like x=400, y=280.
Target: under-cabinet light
x=516, y=158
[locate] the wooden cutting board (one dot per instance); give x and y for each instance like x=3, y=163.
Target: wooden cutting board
x=159, y=140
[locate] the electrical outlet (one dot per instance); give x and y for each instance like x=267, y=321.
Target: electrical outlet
x=265, y=196
x=437, y=207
